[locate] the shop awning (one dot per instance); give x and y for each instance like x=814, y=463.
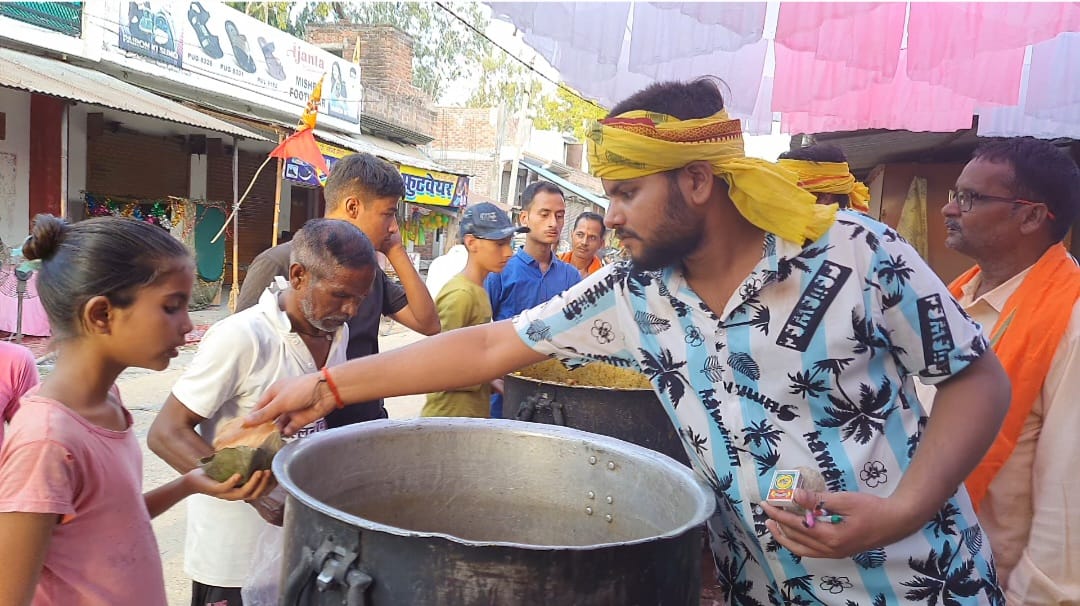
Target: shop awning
x=567, y=185
x=58, y=79
x=383, y=148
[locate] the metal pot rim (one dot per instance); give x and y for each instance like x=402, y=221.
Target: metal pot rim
x=704, y=506
x=584, y=387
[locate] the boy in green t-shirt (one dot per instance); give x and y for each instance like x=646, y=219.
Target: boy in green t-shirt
x=486, y=232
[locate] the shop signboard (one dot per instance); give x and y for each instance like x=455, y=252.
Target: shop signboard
x=250, y=59
x=66, y=28
x=63, y=17
x=148, y=29
x=433, y=187
x=422, y=186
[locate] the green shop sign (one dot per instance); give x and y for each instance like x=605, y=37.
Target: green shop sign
x=63, y=17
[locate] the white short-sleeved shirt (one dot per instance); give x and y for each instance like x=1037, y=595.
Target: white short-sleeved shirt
x=445, y=267
x=238, y=359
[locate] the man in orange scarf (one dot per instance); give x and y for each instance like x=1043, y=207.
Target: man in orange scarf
x=1011, y=208
x=588, y=239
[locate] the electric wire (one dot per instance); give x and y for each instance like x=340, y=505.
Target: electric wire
x=529, y=66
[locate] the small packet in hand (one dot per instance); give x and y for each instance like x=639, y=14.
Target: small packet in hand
x=242, y=450
x=782, y=488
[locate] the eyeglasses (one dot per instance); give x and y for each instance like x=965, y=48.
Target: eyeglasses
x=964, y=200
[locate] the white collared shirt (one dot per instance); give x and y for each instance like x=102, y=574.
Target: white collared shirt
x=238, y=359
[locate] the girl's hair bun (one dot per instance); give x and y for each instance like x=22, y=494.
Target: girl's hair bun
x=45, y=238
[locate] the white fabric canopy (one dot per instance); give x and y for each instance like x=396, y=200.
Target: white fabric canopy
x=837, y=66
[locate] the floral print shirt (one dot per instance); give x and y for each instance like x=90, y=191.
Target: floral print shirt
x=809, y=365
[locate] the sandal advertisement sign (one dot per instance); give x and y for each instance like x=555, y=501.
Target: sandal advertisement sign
x=208, y=38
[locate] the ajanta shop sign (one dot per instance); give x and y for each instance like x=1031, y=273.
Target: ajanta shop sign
x=422, y=186
x=250, y=59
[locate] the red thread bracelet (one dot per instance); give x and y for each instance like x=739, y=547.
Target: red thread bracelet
x=333, y=387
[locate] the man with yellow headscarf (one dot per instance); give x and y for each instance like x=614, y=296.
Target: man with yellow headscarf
x=823, y=171
x=779, y=335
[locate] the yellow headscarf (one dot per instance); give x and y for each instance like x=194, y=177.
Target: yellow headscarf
x=830, y=178
x=638, y=143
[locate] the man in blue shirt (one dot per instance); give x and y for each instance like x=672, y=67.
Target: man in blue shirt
x=534, y=274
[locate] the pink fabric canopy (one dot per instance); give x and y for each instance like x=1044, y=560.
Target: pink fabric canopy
x=834, y=66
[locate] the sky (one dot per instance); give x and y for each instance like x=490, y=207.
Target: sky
x=766, y=147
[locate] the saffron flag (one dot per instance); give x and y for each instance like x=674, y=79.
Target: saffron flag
x=307, y=119
x=301, y=144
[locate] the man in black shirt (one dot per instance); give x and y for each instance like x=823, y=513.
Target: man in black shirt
x=363, y=190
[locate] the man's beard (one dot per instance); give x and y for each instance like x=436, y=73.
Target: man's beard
x=327, y=324
x=678, y=234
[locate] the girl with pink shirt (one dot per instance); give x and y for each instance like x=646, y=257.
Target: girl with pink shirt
x=18, y=373
x=74, y=524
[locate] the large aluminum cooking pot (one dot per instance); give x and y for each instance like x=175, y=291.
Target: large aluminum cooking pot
x=633, y=415
x=475, y=511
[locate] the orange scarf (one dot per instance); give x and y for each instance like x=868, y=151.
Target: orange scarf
x=1042, y=306
x=595, y=265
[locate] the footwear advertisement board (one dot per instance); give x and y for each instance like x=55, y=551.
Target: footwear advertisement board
x=247, y=57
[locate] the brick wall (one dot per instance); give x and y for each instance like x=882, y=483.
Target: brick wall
x=480, y=181
x=386, y=55
x=465, y=129
x=589, y=182
x=465, y=140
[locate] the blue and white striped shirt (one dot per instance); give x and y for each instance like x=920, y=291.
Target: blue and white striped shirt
x=810, y=365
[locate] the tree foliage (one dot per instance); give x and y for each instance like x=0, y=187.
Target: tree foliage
x=279, y=14
x=444, y=50
x=445, y=53
x=568, y=113
x=505, y=82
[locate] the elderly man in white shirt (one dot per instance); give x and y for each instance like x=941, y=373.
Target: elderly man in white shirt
x=297, y=327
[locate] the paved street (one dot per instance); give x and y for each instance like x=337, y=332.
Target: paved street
x=145, y=391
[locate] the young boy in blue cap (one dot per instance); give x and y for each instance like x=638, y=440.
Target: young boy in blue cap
x=486, y=232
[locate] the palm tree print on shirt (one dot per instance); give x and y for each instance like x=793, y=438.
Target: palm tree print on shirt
x=760, y=319
x=664, y=373
x=696, y=441
x=863, y=419
x=808, y=385
x=871, y=337
x=939, y=577
x=786, y=266
x=762, y=433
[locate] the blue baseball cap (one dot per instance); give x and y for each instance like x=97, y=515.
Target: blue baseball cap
x=488, y=222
